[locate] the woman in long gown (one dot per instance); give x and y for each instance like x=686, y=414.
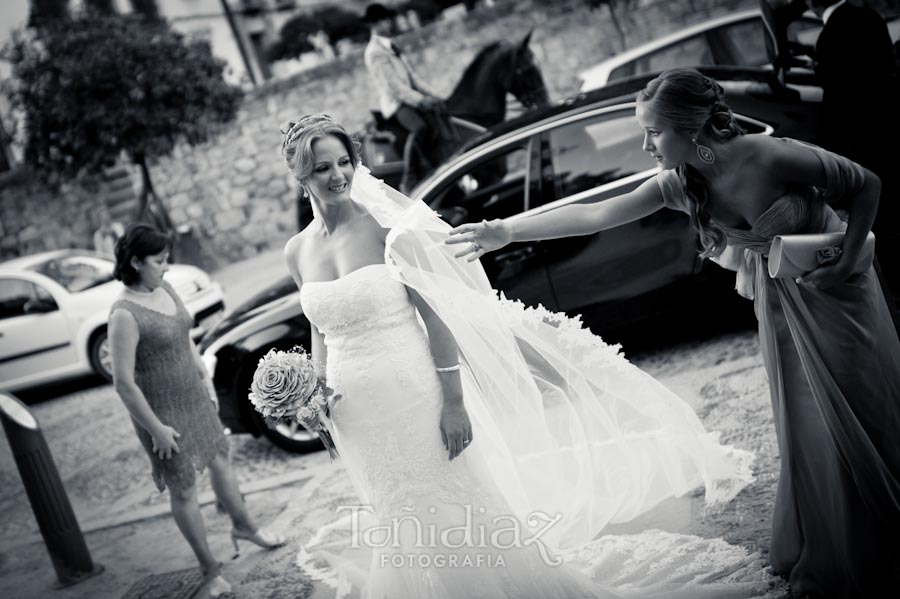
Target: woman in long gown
x=514, y=426
x=830, y=351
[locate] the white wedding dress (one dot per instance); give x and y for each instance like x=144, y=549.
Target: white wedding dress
x=386, y=429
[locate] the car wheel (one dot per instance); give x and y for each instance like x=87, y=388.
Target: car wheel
x=101, y=359
x=293, y=438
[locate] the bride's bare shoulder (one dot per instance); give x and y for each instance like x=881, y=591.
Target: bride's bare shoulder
x=294, y=250
x=295, y=244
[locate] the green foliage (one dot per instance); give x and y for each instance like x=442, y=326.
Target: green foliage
x=98, y=85
x=336, y=22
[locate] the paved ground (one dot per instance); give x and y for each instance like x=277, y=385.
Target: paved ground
x=129, y=531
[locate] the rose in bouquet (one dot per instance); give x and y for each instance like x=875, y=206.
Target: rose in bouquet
x=286, y=387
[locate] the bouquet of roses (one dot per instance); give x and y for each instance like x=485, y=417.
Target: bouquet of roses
x=286, y=387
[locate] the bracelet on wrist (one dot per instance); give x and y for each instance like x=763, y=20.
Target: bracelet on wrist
x=448, y=368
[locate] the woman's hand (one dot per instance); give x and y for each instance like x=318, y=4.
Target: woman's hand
x=456, y=429
x=164, y=444
x=828, y=275
x=480, y=238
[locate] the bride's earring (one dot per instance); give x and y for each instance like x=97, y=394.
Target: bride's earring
x=705, y=153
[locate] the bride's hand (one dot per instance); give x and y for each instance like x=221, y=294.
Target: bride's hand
x=480, y=238
x=456, y=429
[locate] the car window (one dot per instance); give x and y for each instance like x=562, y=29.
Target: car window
x=805, y=31
x=491, y=188
x=15, y=293
x=626, y=70
x=746, y=42
x=692, y=51
x=77, y=273
x=596, y=151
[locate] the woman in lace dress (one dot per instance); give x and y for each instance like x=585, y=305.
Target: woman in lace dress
x=162, y=381
x=439, y=435
x=830, y=351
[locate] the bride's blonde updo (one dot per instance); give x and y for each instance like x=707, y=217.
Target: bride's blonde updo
x=299, y=137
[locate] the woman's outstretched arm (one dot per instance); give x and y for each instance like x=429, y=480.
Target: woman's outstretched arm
x=566, y=221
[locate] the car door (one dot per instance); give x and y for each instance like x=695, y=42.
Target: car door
x=497, y=181
x=34, y=332
x=589, y=158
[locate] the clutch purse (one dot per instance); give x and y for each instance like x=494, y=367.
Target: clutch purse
x=796, y=255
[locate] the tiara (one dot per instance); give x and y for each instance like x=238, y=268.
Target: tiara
x=306, y=121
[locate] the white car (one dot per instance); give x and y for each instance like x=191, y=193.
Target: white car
x=735, y=39
x=54, y=308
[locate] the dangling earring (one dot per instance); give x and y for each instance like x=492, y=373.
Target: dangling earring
x=705, y=153
x=304, y=193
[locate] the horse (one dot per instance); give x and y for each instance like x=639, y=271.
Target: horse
x=478, y=102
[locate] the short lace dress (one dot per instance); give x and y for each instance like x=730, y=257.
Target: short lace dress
x=167, y=374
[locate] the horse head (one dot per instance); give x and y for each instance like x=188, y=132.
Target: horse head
x=522, y=77
x=500, y=68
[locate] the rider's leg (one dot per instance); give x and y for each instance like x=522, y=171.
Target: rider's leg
x=412, y=119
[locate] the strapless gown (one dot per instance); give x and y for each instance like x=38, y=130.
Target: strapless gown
x=386, y=429
x=833, y=363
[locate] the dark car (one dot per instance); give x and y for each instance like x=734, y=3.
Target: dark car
x=586, y=149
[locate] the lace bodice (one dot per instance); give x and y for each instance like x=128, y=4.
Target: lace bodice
x=351, y=309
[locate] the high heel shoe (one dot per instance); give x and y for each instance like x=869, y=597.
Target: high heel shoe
x=262, y=538
x=219, y=587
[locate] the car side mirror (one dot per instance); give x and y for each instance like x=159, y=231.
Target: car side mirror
x=40, y=306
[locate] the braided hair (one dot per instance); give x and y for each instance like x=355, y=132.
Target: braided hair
x=694, y=104
x=299, y=137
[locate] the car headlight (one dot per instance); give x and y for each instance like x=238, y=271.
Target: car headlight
x=209, y=360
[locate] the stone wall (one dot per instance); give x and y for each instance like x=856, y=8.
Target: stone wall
x=33, y=217
x=235, y=191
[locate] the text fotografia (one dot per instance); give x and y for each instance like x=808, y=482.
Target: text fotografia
x=410, y=531
x=441, y=560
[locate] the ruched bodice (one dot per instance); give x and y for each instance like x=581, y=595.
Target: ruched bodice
x=800, y=211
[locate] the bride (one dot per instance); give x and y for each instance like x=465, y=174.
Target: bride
x=489, y=443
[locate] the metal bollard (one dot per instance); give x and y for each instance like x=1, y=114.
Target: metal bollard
x=45, y=490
